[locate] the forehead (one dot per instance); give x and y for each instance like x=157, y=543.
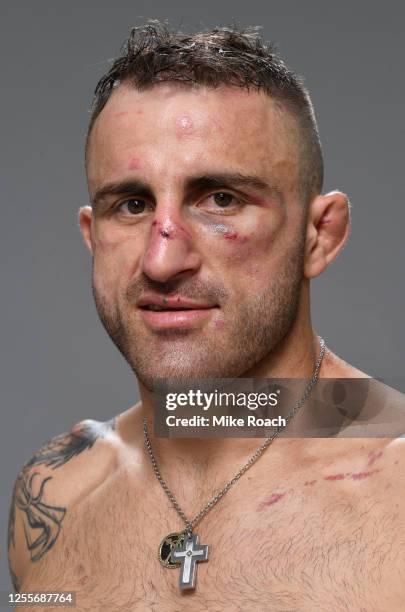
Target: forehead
x=174, y=128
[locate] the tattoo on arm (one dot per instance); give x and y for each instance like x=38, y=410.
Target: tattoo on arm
x=14, y=580
x=42, y=522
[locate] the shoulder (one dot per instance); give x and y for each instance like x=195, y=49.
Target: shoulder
x=57, y=476
x=334, y=366
x=372, y=407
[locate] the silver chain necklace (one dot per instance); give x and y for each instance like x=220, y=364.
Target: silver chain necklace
x=182, y=548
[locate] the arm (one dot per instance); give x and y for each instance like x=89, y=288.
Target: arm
x=36, y=517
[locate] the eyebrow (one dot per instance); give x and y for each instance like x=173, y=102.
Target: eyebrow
x=125, y=187
x=197, y=183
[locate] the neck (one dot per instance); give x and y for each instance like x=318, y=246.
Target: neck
x=295, y=357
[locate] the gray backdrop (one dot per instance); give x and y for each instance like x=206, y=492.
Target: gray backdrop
x=58, y=365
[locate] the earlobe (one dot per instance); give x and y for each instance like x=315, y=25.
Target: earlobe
x=85, y=217
x=328, y=229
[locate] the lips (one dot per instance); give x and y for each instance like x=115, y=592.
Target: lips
x=155, y=302
x=173, y=312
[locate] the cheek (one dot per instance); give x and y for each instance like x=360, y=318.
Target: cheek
x=107, y=248
x=246, y=253
x=114, y=240
x=114, y=256
x=248, y=259
x=104, y=276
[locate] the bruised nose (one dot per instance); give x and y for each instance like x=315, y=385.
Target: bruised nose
x=170, y=251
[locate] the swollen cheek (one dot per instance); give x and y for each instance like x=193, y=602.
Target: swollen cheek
x=249, y=259
x=240, y=249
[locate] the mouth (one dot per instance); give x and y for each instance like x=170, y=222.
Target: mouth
x=158, y=308
x=174, y=313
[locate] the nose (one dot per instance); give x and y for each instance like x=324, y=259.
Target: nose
x=170, y=250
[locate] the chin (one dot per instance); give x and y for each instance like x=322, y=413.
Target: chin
x=191, y=371
x=152, y=380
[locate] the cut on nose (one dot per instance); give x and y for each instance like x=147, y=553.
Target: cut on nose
x=169, y=253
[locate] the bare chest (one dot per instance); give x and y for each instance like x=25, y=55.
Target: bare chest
x=295, y=548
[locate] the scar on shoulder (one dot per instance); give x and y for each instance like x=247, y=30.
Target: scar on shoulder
x=271, y=499
x=352, y=475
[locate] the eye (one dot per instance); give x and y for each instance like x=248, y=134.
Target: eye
x=221, y=202
x=222, y=198
x=132, y=206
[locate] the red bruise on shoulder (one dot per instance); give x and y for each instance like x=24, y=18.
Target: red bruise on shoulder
x=352, y=475
x=362, y=475
x=372, y=458
x=272, y=499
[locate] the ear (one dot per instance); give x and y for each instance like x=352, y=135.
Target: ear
x=328, y=228
x=85, y=216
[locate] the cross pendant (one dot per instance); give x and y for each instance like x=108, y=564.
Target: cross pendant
x=188, y=554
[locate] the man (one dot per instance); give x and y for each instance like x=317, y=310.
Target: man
x=207, y=223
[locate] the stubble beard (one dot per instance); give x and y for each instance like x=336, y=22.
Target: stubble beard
x=251, y=332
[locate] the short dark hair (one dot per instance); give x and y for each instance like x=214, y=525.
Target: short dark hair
x=231, y=56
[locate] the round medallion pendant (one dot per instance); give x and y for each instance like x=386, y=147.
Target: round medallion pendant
x=171, y=541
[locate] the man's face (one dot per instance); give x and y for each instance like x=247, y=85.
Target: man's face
x=196, y=211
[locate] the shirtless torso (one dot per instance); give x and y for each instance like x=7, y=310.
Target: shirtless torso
x=315, y=525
